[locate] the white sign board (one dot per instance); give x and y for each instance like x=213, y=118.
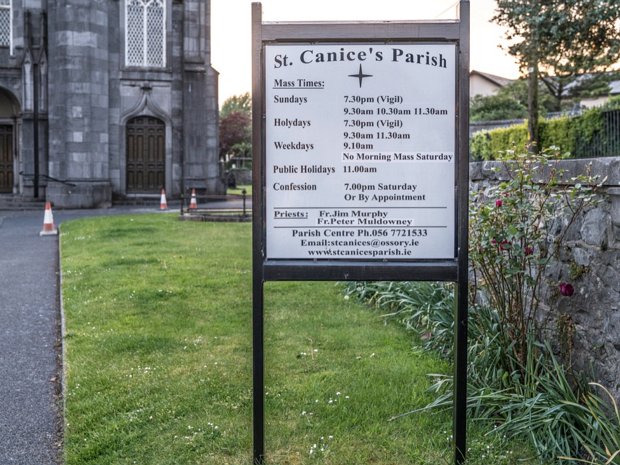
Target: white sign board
x=360, y=151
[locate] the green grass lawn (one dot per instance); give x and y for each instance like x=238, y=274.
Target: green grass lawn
x=239, y=190
x=158, y=359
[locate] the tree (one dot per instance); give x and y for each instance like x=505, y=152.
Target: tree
x=495, y=107
x=242, y=103
x=559, y=39
x=236, y=127
x=518, y=90
x=589, y=85
x=510, y=102
x=235, y=135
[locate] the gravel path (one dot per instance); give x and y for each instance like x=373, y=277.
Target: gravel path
x=30, y=419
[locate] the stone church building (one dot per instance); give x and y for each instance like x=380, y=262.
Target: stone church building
x=106, y=99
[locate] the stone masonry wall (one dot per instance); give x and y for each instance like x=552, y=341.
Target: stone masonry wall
x=78, y=90
x=79, y=103
x=590, y=261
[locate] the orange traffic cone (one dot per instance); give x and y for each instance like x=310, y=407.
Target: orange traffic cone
x=163, y=204
x=49, y=229
x=192, y=203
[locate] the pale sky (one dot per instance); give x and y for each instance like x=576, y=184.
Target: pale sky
x=231, y=30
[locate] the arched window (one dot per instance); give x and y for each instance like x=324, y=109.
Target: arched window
x=145, y=33
x=6, y=24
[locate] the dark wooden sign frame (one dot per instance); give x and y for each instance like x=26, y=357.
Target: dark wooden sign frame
x=449, y=270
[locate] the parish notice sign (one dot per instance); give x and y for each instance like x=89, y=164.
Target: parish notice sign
x=360, y=151
x=360, y=166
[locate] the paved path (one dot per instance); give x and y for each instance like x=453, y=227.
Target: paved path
x=30, y=420
x=30, y=355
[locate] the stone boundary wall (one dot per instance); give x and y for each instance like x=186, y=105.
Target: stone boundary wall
x=590, y=261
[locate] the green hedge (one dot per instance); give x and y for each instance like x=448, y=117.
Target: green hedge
x=571, y=134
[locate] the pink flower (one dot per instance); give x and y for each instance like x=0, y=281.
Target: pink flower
x=567, y=289
x=499, y=203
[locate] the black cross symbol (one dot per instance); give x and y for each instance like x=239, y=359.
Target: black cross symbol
x=360, y=75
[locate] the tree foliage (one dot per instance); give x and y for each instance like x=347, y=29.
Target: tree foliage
x=510, y=102
x=518, y=90
x=241, y=103
x=235, y=134
x=589, y=85
x=558, y=40
x=495, y=107
x=236, y=127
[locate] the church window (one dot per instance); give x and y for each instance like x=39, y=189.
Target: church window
x=6, y=24
x=145, y=33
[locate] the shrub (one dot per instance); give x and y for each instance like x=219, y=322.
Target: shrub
x=571, y=135
x=514, y=381
x=496, y=143
x=496, y=107
x=562, y=416
x=609, y=431
x=512, y=240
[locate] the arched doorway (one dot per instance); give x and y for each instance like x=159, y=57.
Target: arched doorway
x=146, y=155
x=8, y=112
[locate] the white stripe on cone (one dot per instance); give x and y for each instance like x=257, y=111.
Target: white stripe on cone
x=163, y=204
x=192, y=204
x=49, y=229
